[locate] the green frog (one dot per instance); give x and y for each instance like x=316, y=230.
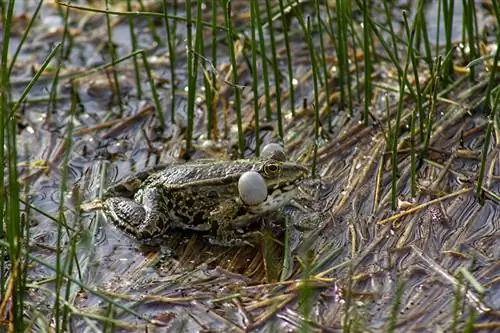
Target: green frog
x=206, y=196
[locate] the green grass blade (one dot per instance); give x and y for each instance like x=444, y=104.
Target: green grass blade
x=234, y=74
x=172, y=58
x=133, y=41
x=276, y=70
x=112, y=53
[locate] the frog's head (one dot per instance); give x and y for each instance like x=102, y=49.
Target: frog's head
x=270, y=185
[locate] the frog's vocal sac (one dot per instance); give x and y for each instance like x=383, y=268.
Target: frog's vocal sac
x=199, y=196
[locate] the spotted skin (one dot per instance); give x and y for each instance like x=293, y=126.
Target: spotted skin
x=199, y=196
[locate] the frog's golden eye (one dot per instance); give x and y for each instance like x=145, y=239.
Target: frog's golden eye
x=272, y=169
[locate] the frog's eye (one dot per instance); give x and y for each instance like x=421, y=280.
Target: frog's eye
x=271, y=169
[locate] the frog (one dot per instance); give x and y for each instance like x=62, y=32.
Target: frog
x=200, y=196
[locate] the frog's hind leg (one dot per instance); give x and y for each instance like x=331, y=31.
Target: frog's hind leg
x=143, y=218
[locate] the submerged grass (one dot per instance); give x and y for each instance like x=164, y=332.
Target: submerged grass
x=395, y=122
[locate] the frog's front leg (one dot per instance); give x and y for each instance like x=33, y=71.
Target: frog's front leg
x=144, y=218
x=227, y=220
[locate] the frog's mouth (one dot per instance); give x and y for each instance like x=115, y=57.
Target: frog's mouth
x=287, y=186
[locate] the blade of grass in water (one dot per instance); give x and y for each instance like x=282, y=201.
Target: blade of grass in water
x=8, y=9
x=255, y=79
x=368, y=63
x=156, y=99
x=395, y=133
x=234, y=72
x=212, y=108
x=486, y=145
x=354, y=53
x=437, y=45
x=342, y=54
x=393, y=57
x=59, y=310
x=198, y=45
x=433, y=102
x=13, y=224
x=208, y=89
x=82, y=74
x=392, y=34
x=33, y=81
x=289, y=60
x=418, y=102
x=262, y=45
x=62, y=53
x=419, y=20
x=307, y=296
x=112, y=53
x=323, y=63
x=25, y=35
x=4, y=108
x=316, y=95
x=396, y=304
x=11, y=228
x=448, y=11
x=276, y=70
x=493, y=73
x=61, y=315
x=422, y=33
x=151, y=24
x=172, y=60
x=307, y=30
x=192, y=58
x=457, y=303
x=139, y=13
x=191, y=77
x=470, y=27
x=133, y=41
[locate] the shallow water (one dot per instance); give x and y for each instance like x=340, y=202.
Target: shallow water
x=334, y=221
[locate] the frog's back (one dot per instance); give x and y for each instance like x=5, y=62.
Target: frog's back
x=196, y=173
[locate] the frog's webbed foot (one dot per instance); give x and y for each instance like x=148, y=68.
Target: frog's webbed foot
x=142, y=218
x=228, y=223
